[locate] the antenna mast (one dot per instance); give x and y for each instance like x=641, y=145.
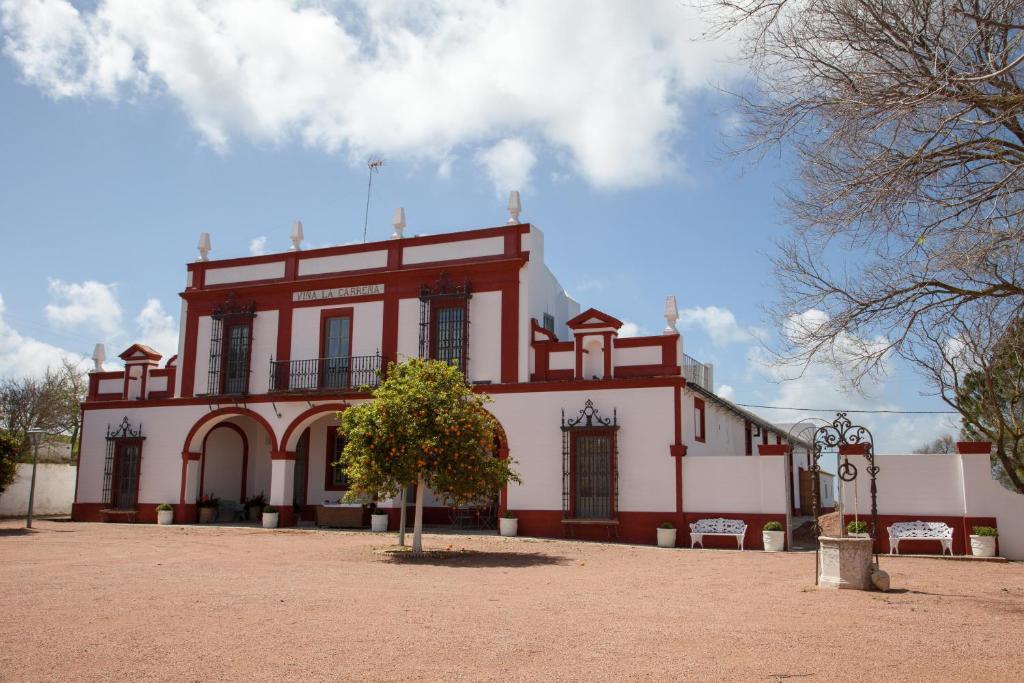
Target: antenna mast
x=372, y=165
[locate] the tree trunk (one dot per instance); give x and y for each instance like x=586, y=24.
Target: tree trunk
x=417, y=527
x=401, y=518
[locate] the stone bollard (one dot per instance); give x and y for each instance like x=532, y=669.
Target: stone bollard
x=845, y=562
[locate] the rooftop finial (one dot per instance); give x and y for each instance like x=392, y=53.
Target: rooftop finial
x=671, y=314
x=514, y=207
x=204, y=246
x=99, y=354
x=297, y=236
x=398, y=223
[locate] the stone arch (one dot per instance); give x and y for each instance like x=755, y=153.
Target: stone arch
x=205, y=424
x=305, y=419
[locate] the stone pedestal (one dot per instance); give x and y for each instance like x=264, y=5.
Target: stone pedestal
x=845, y=563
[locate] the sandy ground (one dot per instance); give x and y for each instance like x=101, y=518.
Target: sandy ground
x=103, y=601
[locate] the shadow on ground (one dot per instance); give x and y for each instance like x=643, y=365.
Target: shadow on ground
x=470, y=559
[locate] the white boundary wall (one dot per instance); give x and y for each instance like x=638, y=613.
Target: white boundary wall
x=734, y=484
x=55, y=490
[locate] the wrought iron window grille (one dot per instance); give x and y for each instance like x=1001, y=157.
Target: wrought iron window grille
x=590, y=458
x=229, y=368
x=127, y=442
x=444, y=321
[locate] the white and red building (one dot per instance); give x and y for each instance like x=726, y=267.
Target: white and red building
x=611, y=435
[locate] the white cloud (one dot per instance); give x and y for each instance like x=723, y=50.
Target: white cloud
x=719, y=323
x=157, y=329
x=604, y=85
x=629, y=329
x=726, y=391
x=87, y=304
x=508, y=165
x=590, y=285
x=24, y=356
x=258, y=246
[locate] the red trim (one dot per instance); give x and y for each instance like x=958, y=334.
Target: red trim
x=853, y=449
x=607, y=351
x=510, y=331
x=536, y=328
x=699, y=422
x=188, y=368
x=580, y=321
x=973, y=448
x=245, y=456
x=315, y=411
x=222, y=414
x=329, y=455
x=139, y=352
x=772, y=449
x=171, y=375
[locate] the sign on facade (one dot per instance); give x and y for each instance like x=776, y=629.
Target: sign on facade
x=338, y=293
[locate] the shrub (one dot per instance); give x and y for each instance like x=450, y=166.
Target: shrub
x=666, y=525
x=9, y=447
x=164, y=507
x=509, y=514
x=985, y=531
x=257, y=501
x=208, y=501
x=857, y=527
x=773, y=526
x=270, y=509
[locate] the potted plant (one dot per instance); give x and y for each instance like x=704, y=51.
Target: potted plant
x=857, y=529
x=164, y=514
x=508, y=525
x=270, y=517
x=254, y=506
x=983, y=541
x=666, y=535
x=208, y=506
x=773, y=537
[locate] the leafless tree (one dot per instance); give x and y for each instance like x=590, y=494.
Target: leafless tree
x=51, y=402
x=905, y=119
x=944, y=444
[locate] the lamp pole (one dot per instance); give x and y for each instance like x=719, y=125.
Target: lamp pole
x=35, y=436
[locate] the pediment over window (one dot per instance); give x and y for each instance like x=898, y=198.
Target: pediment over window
x=139, y=352
x=593, y=319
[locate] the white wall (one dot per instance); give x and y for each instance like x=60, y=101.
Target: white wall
x=264, y=346
x=408, y=329
x=485, y=338
x=222, y=464
x=258, y=271
x=55, y=490
x=367, y=329
x=638, y=355
x=449, y=251
x=734, y=484
x=343, y=262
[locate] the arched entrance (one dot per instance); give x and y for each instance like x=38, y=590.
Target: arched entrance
x=228, y=455
x=312, y=442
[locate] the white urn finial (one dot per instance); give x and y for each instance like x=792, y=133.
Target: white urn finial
x=671, y=314
x=99, y=354
x=296, y=237
x=398, y=223
x=204, y=246
x=515, y=207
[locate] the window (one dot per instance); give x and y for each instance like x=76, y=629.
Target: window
x=122, y=465
x=334, y=476
x=336, y=348
x=589, y=466
x=592, y=474
x=549, y=323
x=448, y=334
x=698, y=419
x=230, y=347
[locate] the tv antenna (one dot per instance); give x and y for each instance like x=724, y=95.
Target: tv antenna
x=372, y=164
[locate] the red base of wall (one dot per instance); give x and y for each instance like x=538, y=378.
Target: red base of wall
x=962, y=529
x=641, y=527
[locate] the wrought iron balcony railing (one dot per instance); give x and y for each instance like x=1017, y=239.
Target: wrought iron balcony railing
x=697, y=373
x=325, y=374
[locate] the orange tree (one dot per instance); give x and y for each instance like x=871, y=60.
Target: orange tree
x=425, y=425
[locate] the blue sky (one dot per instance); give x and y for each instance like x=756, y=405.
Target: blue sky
x=127, y=128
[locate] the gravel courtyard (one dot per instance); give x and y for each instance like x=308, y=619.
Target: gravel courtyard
x=103, y=601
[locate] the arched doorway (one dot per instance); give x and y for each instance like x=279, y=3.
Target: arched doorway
x=223, y=468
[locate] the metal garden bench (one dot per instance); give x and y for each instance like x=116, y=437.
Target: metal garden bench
x=920, y=530
x=717, y=526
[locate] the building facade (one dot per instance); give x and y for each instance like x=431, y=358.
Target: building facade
x=273, y=347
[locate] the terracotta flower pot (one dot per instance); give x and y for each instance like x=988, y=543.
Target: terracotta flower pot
x=254, y=513
x=207, y=515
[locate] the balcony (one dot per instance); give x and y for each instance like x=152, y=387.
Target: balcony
x=326, y=375
x=697, y=373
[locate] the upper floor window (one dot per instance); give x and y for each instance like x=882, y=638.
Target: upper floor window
x=444, y=322
x=548, y=323
x=230, y=347
x=698, y=419
x=336, y=348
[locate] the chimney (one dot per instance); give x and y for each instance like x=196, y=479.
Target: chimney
x=671, y=315
x=398, y=223
x=99, y=354
x=515, y=207
x=204, y=246
x=297, y=236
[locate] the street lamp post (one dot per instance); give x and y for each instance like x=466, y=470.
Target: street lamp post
x=35, y=437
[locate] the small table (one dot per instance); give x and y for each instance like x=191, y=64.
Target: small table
x=340, y=516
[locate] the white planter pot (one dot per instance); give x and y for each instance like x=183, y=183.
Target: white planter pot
x=165, y=517
x=270, y=520
x=774, y=541
x=508, y=526
x=983, y=546
x=378, y=522
x=667, y=538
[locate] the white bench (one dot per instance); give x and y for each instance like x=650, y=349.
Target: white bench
x=717, y=527
x=919, y=530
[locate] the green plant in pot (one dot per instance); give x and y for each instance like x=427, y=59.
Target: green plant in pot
x=164, y=513
x=270, y=517
x=772, y=526
x=666, y=535
x=254, y=506
x=857, y=529
x=508, y=524
x=773, y=537
x=983, y=541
